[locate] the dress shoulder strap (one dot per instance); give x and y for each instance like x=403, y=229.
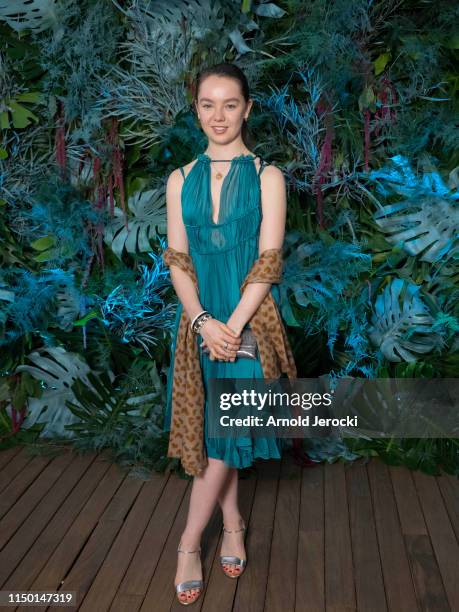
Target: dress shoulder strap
x=263, y=165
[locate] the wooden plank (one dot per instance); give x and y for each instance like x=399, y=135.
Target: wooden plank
x=400, y=593
x=26, y=504
x=7, y=454
x=17, y=476
x=146, y=557
x=21, y=542
x=12, y=468
x=310, y=585
x=280, y=589
x=103, y=589
x=409, y=510
x=339, y=579
x=63, y=557
x=426, y=575
x=441, y=533
x=91, y=558
x=126, y=603
x=43, y=547
x=449, y=487
x=220, y=590
x=369, y=584
x=251, y=587
x=160, y=594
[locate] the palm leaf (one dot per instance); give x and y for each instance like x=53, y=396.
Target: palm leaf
x=427, y=221
x=58, y=370
x=429, y=226
x=149, y=213
x=402, y=323
x=36, y=15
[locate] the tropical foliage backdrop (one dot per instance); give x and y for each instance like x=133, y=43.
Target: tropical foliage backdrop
x=355, y=101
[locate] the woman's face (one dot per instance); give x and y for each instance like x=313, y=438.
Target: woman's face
x=221, y=104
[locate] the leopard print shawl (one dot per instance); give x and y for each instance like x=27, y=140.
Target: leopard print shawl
x=186, y=440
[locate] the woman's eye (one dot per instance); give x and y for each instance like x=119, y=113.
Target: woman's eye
x=229, y=106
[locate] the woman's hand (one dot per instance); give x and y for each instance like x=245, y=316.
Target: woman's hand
x=217, y=335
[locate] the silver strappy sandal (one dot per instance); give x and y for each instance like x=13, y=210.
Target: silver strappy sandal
x=227, y=560
x=189, y=584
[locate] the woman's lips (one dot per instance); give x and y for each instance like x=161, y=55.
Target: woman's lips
x=219, y=130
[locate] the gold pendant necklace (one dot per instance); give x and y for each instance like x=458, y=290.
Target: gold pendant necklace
x=218, y=174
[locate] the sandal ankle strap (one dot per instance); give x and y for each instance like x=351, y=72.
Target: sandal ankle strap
x=188, y=551
x=233, y=530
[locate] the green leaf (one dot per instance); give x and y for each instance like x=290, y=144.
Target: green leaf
x=43, y=243
x=45, y=256
x=21, y=116
x=366, y=98
x=4, y=120
x=30, y=96
x=381, y=62
x=92, y=314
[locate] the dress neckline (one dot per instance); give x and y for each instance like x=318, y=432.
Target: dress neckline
x=203, y=157
x=243, y=157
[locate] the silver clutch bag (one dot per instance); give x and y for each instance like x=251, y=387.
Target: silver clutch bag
x=247, y=348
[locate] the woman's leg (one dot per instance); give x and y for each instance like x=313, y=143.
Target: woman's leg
x=204, y=494
x=232, y=543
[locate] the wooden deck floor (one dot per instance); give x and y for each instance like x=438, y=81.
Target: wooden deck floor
x=359, y=537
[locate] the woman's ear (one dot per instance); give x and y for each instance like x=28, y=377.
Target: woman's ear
x=249, y=108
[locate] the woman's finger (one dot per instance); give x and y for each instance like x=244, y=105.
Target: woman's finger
x=231, y=341
x=229, y=351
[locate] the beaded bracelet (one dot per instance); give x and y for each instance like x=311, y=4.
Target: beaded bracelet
x=196, y=317
x=200, y=322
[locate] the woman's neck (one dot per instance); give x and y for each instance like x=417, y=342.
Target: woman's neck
x=216, y=152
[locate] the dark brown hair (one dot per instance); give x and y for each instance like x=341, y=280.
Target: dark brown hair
x=234, y=72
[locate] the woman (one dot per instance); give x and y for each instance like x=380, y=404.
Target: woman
x=223, y=209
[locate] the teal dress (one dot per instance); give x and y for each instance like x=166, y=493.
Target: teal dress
x=223, y=254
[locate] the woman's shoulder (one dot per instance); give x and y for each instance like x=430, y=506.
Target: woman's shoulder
x=182, y=171
x=270, y=172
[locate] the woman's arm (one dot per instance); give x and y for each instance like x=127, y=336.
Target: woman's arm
x=177, y=239
x=272, y=230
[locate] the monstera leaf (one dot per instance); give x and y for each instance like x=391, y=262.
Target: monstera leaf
x=402, y=323
x=149, y=211
x=429, y=226
x=427, y=221
x=36, y=15
x=58, y=369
